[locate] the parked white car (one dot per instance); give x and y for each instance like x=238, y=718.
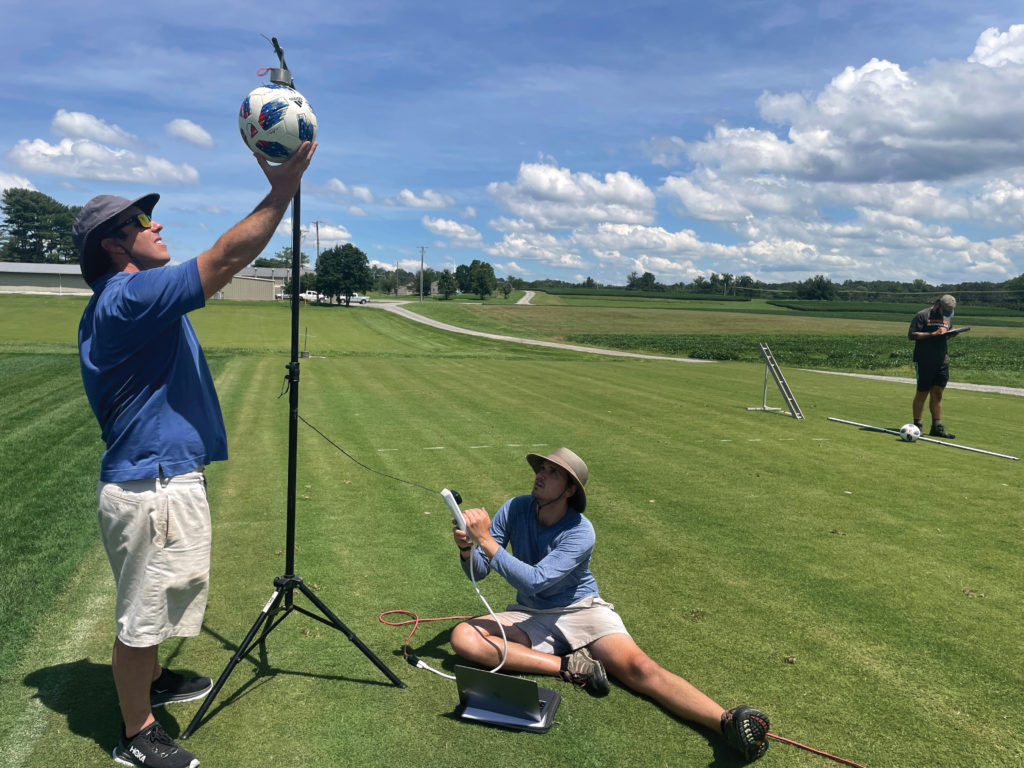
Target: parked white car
x=355, y=298
x=310, y=296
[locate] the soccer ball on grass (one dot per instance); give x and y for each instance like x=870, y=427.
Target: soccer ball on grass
x=274, y=120
x=910, y=432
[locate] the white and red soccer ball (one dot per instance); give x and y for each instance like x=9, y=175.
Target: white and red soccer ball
x=910, y=432
x=274, y=120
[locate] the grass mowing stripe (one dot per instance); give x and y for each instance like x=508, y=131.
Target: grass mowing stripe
x=49, y=449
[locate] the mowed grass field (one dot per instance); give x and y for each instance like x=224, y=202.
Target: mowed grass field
x=863, y=591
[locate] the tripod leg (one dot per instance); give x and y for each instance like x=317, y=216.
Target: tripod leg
x=239, y=654
x=337, y=624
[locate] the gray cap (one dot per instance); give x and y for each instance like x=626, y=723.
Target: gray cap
x=948, y=304
x=91, y=224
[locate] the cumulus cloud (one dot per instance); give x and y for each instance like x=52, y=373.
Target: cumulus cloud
x=362, y=193
x=80, y=125
x=542, y=247
x=190, y=132
x=86, y=159
x=13, y=181
x=429, y=199
x=554, y=197
x=457, y=235
x=329, y=235
x=881, y=173
x=995, y=48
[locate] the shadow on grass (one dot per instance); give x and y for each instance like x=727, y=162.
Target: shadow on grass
x=84, y=693
x=262, y=671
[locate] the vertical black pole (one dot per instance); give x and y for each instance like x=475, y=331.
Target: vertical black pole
x=293, y=398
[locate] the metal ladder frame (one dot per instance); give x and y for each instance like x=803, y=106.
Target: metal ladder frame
x=770, y=366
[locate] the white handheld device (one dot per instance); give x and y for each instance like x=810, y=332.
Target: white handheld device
x=452, y=499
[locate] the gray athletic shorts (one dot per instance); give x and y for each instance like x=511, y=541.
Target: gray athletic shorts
x=560, y=631
x=157, y=536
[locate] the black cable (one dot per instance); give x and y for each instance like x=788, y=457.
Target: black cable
x=356, y=461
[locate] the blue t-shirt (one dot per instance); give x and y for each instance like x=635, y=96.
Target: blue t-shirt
x=146, y=377
x=549, y=566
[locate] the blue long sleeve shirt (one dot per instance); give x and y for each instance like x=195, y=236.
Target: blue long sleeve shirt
x=549, y=566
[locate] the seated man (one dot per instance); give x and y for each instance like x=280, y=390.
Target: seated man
x=561, y=626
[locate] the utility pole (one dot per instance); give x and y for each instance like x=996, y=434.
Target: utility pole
x=422, y=249
x=317, y=222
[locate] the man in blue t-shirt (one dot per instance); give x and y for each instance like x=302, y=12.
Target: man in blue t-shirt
x=149, y=386
x=559, y=625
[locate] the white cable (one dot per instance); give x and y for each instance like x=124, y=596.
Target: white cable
x=501, y=627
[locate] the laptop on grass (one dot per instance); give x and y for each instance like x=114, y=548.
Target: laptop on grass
x=505, y=701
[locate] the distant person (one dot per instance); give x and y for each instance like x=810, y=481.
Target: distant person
x=931, y=360
x=560, y=626
x=148, y=384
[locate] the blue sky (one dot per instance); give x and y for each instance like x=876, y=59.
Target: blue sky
x=563, y=139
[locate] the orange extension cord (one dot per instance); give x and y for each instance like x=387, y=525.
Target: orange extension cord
x=416, y=621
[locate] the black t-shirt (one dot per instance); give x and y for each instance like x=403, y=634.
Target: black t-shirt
x=932, y=350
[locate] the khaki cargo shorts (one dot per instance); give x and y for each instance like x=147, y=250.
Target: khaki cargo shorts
x=157, y=535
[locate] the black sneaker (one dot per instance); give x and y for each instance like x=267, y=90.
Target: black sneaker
x=583, y=670
x=938, y=430
x=153, y=748
x=172, y=687
x=746, y=729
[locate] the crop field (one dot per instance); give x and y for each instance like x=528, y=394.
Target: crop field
x=863, y=591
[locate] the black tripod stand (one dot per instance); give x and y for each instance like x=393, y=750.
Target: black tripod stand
x=274, y=612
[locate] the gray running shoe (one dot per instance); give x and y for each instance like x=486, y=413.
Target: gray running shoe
x=583, y=670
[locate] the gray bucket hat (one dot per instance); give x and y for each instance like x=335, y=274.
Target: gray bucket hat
x=91, y=224
x=572, y=464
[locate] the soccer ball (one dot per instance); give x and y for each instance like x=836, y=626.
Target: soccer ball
x=910, y=432
x=274, y=120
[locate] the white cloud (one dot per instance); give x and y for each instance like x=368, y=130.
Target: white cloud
x=362, y=193
x=12, y=181
x=881, y=173
x=995, y=49
x=541, y=247
x=458, y=235
x=329, y=235
x=80, y=125
x=85, y=159
x=557, y=198
x=429, y=199
x=190, y=132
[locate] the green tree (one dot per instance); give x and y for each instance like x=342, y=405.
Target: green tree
x=36, y=228
x=342, y=271
x=817, y=287
x=446, y=284
x=645, y=282
x=481, y=278
x=282, y=258
x=462, y=278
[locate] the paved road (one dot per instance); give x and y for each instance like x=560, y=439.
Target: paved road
x=398, y=309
